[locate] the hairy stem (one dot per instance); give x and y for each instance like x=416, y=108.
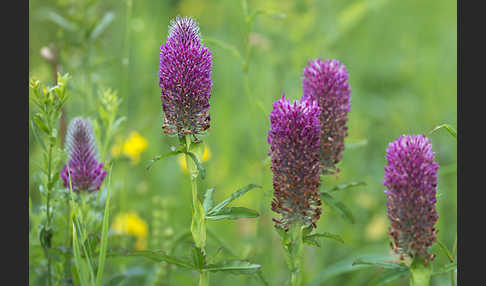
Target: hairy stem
x=198, y=223
x=419, y=273
x=204, y=278
x=294, y=254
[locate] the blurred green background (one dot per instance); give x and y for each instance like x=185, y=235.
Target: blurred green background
x=401, y=57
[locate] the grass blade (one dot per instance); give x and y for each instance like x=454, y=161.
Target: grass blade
x=104, y=233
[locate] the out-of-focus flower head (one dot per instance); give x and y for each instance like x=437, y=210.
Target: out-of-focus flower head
x=133, y=147
x=185, y=79
x=327, y=82
x=294, y=149
x=130, y=223
x=87, y=173
x=411, y=182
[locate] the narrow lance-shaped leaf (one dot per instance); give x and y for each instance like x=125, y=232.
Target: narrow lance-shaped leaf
x=379, y=263
x=234, y=267
x=233, y=197
x=208, y=200
x=338, y=206
x=446, y=268
x=104, y=233
x=388, y=277
x=102, y=25
x=233, y=213
x=173, y=151
x=343, y=187
x=313, y=239
x=449, y=128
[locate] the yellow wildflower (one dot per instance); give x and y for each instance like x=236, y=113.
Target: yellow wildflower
x=134, y=146
x=131, y=224
x=182, y=158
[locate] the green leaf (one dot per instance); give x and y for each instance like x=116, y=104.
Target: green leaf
x=233, y=213
x=232, y=197
x=54, y=17
x=445, y=250
x=41, y=125
x=116, y=280
x=118, y=122
x=104, y=233
x=223, y=244
x=344, y=266
x=449, y=128
x=157, y=256
x=208, y=200
x=313, y=238
x=102, y=25
x=337, y=206
x=173, y=152
x=199, y=166
x=388, y=277
x=36, y=136
x=179, y=239
x=343, y=187
x=380, y=263
x=307, y=230
x=445, y=268
x=234, y=267
x=198, y=258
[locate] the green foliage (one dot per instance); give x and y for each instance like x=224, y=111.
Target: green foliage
x=337, y=206
x=234, y=267
x=257, y=55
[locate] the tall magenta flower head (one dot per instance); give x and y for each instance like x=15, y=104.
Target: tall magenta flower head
x=294, y=149
x=87, y=173
x=411, y=181
x=327, y=82
x=185, y=79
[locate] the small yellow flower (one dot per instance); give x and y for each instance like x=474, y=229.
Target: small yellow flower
x=182, y=158
x=134, y=146
x=131, y=224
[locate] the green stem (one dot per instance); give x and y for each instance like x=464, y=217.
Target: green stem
x=204, y=278
x=295, y=254
x=48, y=213
x=419, y=273
x=198, y=223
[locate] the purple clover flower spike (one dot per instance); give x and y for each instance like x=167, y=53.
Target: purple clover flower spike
x=327, y=82
x=86, y=173
x=411, y=182
x=185, y=79
x=294, y=149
